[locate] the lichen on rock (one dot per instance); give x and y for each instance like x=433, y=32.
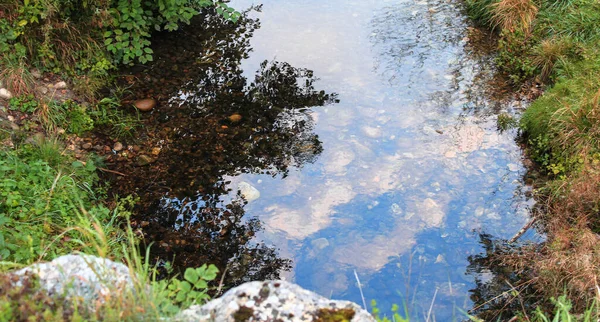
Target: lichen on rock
x=274, y=301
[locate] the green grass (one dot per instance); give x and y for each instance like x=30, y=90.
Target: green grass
x=41, y=192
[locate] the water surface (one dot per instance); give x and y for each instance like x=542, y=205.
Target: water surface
x=392, y=185
x=412, y=169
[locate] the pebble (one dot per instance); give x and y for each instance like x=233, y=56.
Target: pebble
x=60, y=130
x=60, y=85
x=10, y=118
x=248, y=191
x=235, y=117
x=118, y=146
x=36, y=74
x=86, y=146
x=143, y=160
x=145, y=104
x=42, y=89
x=5, y=94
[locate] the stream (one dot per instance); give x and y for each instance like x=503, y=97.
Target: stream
x=386, y=167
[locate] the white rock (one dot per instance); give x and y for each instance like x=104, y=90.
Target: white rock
x=248, y=191
x=60, y=85
x=269, y=301
x=87, y=277
x=5, y=94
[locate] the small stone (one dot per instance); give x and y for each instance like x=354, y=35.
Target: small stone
x=10, y=118
x=60, y=130
x=118, y=146
x=5, y=94
x=36, y=74
x=248, y=191
x=60, y=85
x=86, y=146
x=143, y=160
x=98, y=148
x=145, y=104
x=235, y=117
x=42, y=89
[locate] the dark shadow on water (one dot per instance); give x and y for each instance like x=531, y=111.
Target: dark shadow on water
x=211, y=123
x=502, y=282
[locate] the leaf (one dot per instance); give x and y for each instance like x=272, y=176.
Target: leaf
x=185, y=286
x=191, y=275
x=148, y=50
x=201, y=285
x=107, y=34
x=22, y=23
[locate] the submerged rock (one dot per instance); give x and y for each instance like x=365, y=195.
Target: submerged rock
x=145, y=104
x=118, y=146
x=273, y=301
x=235, y=117
x=143, y=160
x=248, y=191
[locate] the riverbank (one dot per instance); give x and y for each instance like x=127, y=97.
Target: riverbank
x=63, y=120
x=553, y=46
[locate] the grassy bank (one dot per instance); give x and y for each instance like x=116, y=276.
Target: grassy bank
x=58, y=64
x=555, y=45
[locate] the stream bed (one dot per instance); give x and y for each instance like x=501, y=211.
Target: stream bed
x=381, y=162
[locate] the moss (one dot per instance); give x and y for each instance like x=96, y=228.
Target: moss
x=335, y=315
x=243, y=314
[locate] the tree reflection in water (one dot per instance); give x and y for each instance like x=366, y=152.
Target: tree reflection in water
x=502, y=281
x=212, y=123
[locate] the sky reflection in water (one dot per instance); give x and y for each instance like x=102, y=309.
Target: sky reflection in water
x=413, y=167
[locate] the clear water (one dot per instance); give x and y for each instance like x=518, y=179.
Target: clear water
x=413, y=168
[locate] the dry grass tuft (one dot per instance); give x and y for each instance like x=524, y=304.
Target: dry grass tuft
x=513, y=15
x=570, y=261
x=548, y=52
x=17, y=78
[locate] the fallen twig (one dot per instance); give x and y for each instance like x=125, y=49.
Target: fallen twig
x=113, y=171
x=523, y=230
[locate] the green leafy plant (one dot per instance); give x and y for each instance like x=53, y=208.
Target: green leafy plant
x=109, y=116
x=25, y=104
x=193, y=288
